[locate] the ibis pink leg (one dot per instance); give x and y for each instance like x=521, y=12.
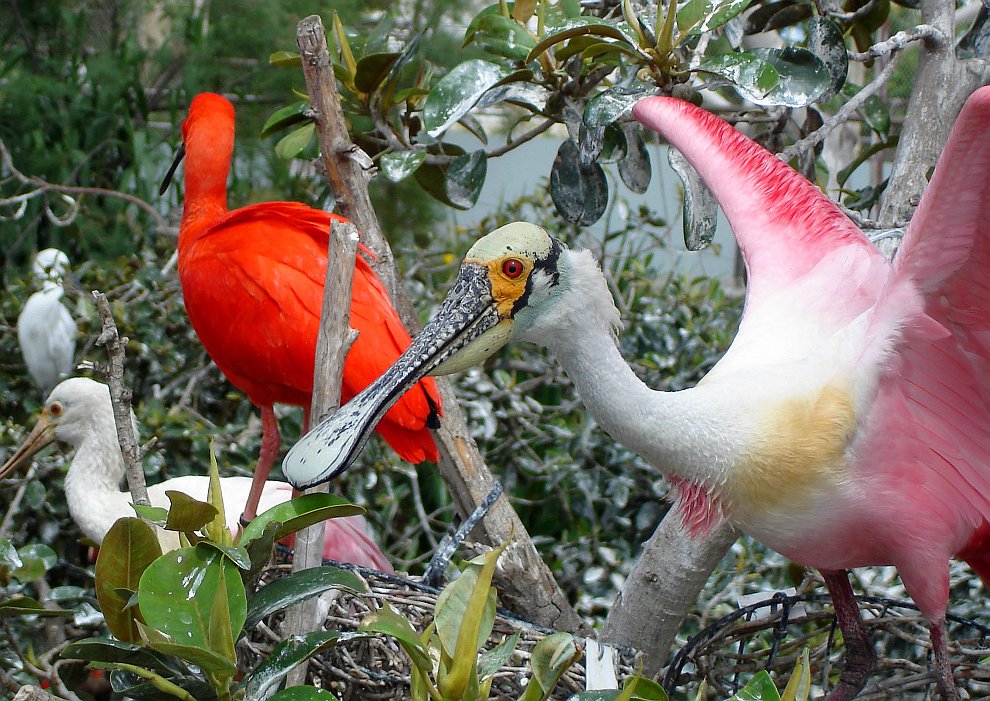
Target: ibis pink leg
x=861, y=657
x=270, y=442
x=943, y=670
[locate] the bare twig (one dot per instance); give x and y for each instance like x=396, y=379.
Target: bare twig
x=15, y=503
x=120, y=397
x=899, y=41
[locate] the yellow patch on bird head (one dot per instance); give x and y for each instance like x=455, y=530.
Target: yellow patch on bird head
x=510, y=254
x=799, y=451
x=508, y=286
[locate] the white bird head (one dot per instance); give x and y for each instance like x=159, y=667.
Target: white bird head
x=50, y=264
x=75, y=409
x=513, y=284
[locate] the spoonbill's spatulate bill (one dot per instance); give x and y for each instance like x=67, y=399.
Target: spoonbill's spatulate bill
x=252, y=282
x=78, y=412
x=849, y=422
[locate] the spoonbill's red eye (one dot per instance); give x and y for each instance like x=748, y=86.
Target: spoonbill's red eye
x=512, y=268
x=55, y=409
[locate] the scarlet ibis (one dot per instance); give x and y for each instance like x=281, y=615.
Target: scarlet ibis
x=78, y=412
x=46, y=331
x=252, y=282
x=849, y=422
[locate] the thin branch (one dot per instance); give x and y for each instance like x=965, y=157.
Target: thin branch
x=899, y=41
x=528, y=136
x=120, y=397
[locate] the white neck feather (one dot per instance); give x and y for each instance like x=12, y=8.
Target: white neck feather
x=675, y=431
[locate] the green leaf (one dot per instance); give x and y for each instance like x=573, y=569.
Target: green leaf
x=478, y=19
x=457, y=184
x=458, y=91
x=799, y=686
x=36, y=559
x=759, y=688
x=703, y=16
x=825, y=40
x=579, y=26
x=493, y=660
x=579, y=192
x=635, y=169
x=303, y=693
x=216, y=529
x=235, y=553
x=187, y=514
x=750, y=74
x=550, y=658
x=8, y=555
x=157, y=515
x=195, y=596
x=25, y=606
x=292, y=144
x=286, y=117
x=285, y=58
x=109, y=651
x=298, y=513
x=299, y=586
x=804, y=79
x=263, y=682
x=207, y=660
x=637, y=688
x=399, y=165
x=503, y=36
x=390, y=622
x=372, y=70
x=610, y=105
x=876, y=115
x=128, y=549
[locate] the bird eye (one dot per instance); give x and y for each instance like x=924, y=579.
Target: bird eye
x=55, y=409
x=512, y=268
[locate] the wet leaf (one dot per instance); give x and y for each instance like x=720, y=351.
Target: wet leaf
x=399, y=165
x=303, y=693
x=701, y=16
x=804, y=78
x=754, y=76
x=187, y=514
x=578, y=26
x=296, y=514
x=457, y=184
x=876, y=115
x=292, y=144
x=826, y=42
x=25, y=606
x=759, y=688
x=614, y=147
x=36, y=560
x=157, y=515
x=372, y=70
x=634, y=168
x=263, y=682
x=108, y=650
x=700, y=207
x=610, y=105
x=775, y=15
x=300, y=586
x=286, y=117
x=580, y=193
x=128, y=548
x=458, y=91
x=8, y=555
x=503, y=36
x=236, y=554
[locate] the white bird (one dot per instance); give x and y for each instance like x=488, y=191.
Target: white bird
x=78, y=412
x=849, y=422
x=46, y=331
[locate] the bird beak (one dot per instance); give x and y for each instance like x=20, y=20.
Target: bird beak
x=41, y=435
x=467, y=329
x=167, y=180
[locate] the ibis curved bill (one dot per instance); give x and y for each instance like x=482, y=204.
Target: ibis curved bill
x=847, y=425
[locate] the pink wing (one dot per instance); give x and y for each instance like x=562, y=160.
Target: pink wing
x=930, y=425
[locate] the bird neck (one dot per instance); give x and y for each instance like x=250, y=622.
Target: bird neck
x=673, y=431
x=92, y=485
x=209, y=148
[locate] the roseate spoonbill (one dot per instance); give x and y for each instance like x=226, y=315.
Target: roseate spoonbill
x=46, y=331
x=78, y=412
x=849, y=422
x=252, y=282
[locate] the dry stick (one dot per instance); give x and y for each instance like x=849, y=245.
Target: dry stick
x=526, y=583
x=332, y=344
x=120, y=397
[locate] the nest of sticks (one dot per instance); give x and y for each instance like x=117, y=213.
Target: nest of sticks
x=770, y=635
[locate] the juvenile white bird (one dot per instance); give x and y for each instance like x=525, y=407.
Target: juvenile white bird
x=78, y=412
x=46, y=331
x=849, y=422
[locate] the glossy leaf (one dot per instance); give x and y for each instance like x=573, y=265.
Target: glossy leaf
x=457, y=184
x=399, y=165
x=751, y=74
x=207, y=660
x=634, y=168
x=127, y=684
x=292, y=144
x=803, y=77
x=286, y=117
x=286, y=58
x=263, y=682
x=776, y=15
x=26, y=606
x=389, y=622
x=372, y=70
x=799, y=686
x=476, y=21
x=702, y=16
x=550, y=658
x=186, y=513
x=303, y=693
x=503, y=36
x=196, y=597
x=259, y=550
x=458, y=91
x=579, y=26
x=610, y=105
x=157, y=515
x=580, y=193
x=700, y=207
x=826, y=42
x=36, y=560
x=300, y=586
x=128, y=548
x=759, y=688
x=9, y=558
x=108, y=651
x=216, y=529
x=876, y=115
x=236, y=554
x=298, y=513
x=637, y=688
